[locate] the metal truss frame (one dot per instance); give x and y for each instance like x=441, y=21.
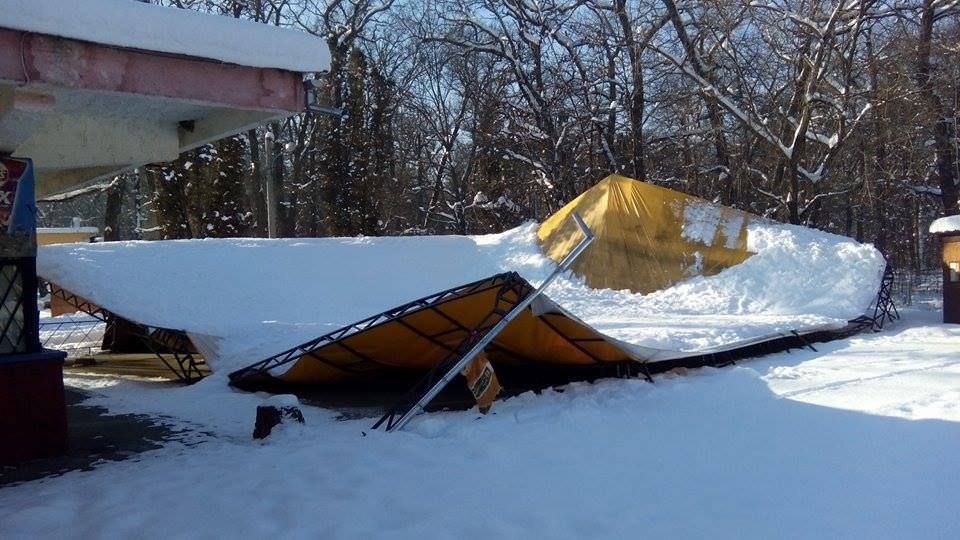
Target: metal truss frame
x=160, y=341
x=82, y=329
x=884, y=310
x=80, y=303
x=427, y=303
x=483, y=335
x=514, y=294
x=420, y=394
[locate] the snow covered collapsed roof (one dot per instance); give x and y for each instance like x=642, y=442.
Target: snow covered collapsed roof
x=242, y=300
x=946, y=224
x=135, y=25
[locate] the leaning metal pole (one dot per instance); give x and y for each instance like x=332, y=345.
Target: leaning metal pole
x=497, y=328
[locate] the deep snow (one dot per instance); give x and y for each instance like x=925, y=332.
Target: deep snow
x=858, y=440
x=246, y=299
x=135, y=25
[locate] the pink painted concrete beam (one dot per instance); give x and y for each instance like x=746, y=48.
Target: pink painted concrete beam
x=36, y=58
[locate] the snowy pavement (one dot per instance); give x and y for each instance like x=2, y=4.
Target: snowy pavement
x=858, y=440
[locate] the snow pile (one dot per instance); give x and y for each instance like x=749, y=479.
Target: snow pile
x=798, y=279
x=794, y=271
x=245, y=299
x=946, y=224
x=135, y=25
x=721, y=453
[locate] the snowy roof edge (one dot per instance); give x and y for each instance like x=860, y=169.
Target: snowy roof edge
x=136, y=25
x=945, y=225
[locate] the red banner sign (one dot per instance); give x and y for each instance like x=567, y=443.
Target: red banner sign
x=10, y=172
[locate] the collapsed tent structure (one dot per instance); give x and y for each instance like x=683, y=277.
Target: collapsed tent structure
x=648, y=237
x=668, y=280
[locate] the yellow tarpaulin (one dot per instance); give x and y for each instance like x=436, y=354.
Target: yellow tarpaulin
x=647, y=237
x=422, y=338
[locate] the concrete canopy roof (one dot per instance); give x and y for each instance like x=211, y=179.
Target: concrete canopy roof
x=85, y=110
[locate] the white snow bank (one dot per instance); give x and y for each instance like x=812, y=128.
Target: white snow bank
x=911, y=372
x=946, y=224
x=135, y=25
x=245, y=299
x=717, y=454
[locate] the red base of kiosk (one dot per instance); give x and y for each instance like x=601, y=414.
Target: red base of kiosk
x=33, y=414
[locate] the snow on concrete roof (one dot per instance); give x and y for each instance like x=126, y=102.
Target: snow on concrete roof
x=946, y=224
x=245, y=299
x=130, y=24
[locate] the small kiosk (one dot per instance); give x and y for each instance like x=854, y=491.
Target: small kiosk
x=32, y=408
x=947, y=229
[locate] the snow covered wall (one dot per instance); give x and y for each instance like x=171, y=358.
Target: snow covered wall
x=243, y=300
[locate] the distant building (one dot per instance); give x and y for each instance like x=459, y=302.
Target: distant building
x=947, y=229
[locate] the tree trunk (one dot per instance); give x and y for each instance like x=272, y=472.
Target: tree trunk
x=254, y=186
x=714, y=112
x=944, y=130
x=635, y=106
x=878, y=177
x=111, y=218
x=793, y=205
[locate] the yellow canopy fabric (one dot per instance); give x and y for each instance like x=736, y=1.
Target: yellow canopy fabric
x=647, y=237
x=421, y=338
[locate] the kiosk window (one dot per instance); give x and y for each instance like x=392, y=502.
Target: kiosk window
x=954, y=271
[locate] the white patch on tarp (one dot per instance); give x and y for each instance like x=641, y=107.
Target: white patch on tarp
x=700, y=222
x=731, y=229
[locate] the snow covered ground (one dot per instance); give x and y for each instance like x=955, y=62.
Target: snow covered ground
x=858, y=440
x=243, y=300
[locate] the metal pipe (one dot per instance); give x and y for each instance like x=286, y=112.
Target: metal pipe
x=497, y=328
